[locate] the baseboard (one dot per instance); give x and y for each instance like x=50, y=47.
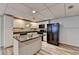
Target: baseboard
x=62, y=44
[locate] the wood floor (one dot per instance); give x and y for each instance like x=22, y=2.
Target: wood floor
x=48, y=49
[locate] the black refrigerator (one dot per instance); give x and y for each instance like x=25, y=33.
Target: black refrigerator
x=53, y=33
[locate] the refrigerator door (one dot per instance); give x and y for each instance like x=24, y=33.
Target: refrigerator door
x=53, y=35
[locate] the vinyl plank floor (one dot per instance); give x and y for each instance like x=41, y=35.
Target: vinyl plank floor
x=48, y=49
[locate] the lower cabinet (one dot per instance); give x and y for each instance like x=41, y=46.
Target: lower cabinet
x=30, y=47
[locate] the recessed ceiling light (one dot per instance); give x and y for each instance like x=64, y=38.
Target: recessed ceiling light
x=33, y=11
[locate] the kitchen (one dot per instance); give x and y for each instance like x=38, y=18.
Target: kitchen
x=25, y=31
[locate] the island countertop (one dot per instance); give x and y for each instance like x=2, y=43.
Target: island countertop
x=24, y=32
x=26, y=36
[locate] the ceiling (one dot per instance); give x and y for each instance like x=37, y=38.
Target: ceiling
x=44, y=11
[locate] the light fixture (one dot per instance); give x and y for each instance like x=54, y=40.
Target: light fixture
x=33, y=11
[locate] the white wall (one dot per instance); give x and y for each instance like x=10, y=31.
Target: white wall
x=7, y=32
x=0, y=31
x=69, y=30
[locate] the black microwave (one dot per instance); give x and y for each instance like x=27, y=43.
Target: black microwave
x=42, y=26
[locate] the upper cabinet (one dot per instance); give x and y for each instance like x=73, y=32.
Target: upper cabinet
x=34, y=25
x=18, y=23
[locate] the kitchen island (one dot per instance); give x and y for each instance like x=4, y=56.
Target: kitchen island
x=27, y=43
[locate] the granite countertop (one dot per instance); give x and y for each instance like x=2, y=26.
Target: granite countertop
x=32, y=38
x=27, y=35
x=20, y=38
x=24, y=32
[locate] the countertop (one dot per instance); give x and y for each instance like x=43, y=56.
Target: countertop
x=27, y=35
x=24, y=32
x=27, y=39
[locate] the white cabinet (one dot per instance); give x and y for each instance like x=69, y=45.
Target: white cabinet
x=34, y=25
x=18, y=23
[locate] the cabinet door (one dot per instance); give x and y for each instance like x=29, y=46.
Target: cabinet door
x=18, y=23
